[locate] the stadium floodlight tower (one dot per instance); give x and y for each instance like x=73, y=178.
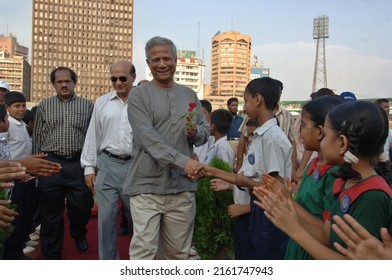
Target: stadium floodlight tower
x=320, y=33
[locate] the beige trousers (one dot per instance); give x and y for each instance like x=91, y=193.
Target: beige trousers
x=164, y=221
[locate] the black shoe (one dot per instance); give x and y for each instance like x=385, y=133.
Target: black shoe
x=122, y=231
x=82, y=245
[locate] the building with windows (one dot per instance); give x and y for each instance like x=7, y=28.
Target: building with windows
x=190, y=71
x=230, y=67
x=10, y=45
x=256, y=71
x=14, y=67
x=87, y=36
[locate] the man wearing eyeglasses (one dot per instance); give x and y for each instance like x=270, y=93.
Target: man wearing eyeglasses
x=106, y=156
x=60, y=128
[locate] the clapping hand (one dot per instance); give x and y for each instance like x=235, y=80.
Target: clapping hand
x=278, y=209
x=360, y=243
x=275, y=186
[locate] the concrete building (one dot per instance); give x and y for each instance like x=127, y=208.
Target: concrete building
x=14, y=67
x=10, y=45
x=189, y=71
x=87, y=36
x=256, y=71
x=230, y=67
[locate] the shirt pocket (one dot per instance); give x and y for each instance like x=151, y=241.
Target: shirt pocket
x=149, y=167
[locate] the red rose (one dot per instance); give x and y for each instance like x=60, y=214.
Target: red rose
x=192, y=105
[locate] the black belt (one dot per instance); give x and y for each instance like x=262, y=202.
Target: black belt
x=232, y=139
x=124, y=158
x=65, y=157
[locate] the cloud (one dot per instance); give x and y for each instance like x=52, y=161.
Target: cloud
x=367, y=76
x=347, y=69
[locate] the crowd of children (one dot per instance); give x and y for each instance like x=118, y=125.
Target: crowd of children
x=15, y=143
x=348, y=136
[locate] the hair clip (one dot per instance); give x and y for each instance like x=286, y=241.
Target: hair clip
x=348, y=129
x=342, y=126
x=350, y=158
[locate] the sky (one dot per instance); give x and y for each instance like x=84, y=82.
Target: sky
x=358, y=50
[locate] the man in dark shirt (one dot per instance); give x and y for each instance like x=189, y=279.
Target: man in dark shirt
x=233, y=135
x=59, y=130
x=232, y=106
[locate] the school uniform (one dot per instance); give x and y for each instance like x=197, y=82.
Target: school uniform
x=20, y=146
x=221, y=149
x=314, y=195
x=369, y=202
x=242, y=197
x=269, y=152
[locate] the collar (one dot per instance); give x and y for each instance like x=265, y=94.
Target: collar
x=266, y=126
x=113, y=95
x=15, y=121
x=323, y=168
x=372, y=183
x=220, y=140
x=73, y=97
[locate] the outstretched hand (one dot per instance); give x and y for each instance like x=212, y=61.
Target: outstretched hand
x=194, y=169
x=6, y=215
x=36, y=164
x=10, y=171
x=220, y=185
x=360, y=243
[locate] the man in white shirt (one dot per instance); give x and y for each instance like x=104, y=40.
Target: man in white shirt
x=106, y=155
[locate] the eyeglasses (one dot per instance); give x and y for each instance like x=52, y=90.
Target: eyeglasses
x=122, y=79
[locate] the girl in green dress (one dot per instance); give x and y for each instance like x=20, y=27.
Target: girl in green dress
x=354, y=135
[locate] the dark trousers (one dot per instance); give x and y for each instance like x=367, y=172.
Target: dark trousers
x=241, y=251
x=22, y=196
x=64, y=188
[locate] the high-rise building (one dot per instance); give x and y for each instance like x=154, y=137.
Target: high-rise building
x=87, y=36
x=14, y=67
x=230, y=67
x=189, y=71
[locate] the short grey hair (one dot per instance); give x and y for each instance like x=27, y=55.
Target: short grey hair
x=160, y=41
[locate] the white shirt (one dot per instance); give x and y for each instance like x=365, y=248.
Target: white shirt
x=19, y=140
x=220, y=149
x=269, y=152
x=109, y=130
x=241, y=196
x=201, y=151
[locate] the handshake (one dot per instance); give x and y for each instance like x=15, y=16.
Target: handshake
x=196, y=170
